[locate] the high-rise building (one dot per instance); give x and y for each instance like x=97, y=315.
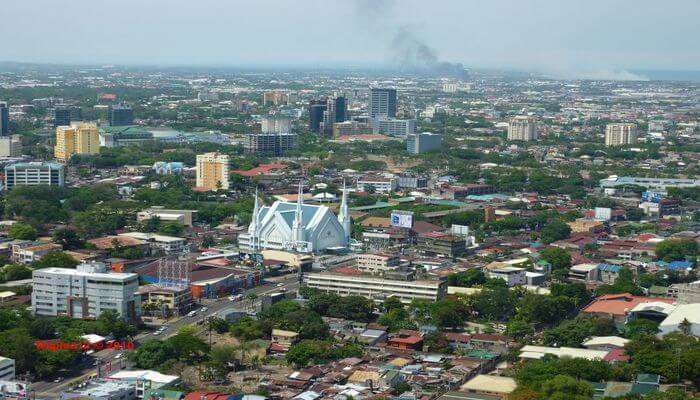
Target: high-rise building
x=270, y=144
x=400, y=128
x=84, y=292
x=620, y=134
x=276, y=124
x=10, y=146
x=4, y=119
x=212, y=171
x=382, y=102
x=34, y=173
x=336, y=111
x=417, y=143
x=522, y=127
x=61, y=116
x=277, y=98
x=78, y=138
x=316, y=110
x=120, y=115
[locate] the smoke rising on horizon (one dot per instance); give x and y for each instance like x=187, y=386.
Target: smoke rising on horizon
x=408, y=52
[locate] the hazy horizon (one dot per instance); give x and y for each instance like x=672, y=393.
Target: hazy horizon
x=578, y=39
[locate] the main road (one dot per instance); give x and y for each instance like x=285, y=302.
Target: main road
x=111, y=360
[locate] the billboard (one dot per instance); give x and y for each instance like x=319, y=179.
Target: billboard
x=653, y=197
x=402, y=219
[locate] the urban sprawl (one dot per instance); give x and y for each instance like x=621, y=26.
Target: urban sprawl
x=346, y=234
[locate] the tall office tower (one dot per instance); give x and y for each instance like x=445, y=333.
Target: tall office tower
x=61, y=116
x=382, y=103
x=316, y=110
x=522, y=128
x=120, y=115
x=4, y=119
x=276, y=124
x=341, y=109
x=78, y=138
x=212, y=171
x=270, y=144
x=620, y=134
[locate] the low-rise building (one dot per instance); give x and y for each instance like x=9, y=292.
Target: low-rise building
x=7, y=369
x=168, y=244
x=379, y=183
x=439, y=243
x=84, y=292
x=494, y=385
x=27, y=253
x=511, y=275
x=376, y=288
x=184, y=217
x=102, y=389
x=33, y=174
x=377, y=263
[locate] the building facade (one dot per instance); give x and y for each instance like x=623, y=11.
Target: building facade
x=34, y=173
x=376, y=288
x=382, y=102
x=120, y=115
x=300, y=227
x=400, y=128
x=418, y=143
x=10, y=146
x=523, y=128
x=4, y=119
x=78, y=138
x=270, y=144
x=620, y=134
x=84, y=292
x=212, y=171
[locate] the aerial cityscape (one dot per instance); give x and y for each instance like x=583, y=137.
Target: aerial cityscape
x=358, y=200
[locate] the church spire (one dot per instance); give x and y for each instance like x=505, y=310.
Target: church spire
x=255, y=222
x=344, y=215
x=298, y=227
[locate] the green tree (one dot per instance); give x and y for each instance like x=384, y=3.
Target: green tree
x=152, y=354
x=677, y=249
x=67, y=238
x=56, y=259
x=22, y=231
x=563, y=387
x=557, y=257
x=247, y=328
x=555, y=230
x=469, y=278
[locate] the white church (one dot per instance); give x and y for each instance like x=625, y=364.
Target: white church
x=298, y=227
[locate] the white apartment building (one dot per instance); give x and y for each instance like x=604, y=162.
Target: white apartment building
x=184, y=217
x=377, y=263
x=512, y=275
x=34, y=173
x=394, y=127
x=380, y=184
x=523, y=128
x=620, y=134
x=377, y=289
x=7, y=369
x=84, y=292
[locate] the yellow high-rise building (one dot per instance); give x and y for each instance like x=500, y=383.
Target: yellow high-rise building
x=212, y=171
x=78, y=138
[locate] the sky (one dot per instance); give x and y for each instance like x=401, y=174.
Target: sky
x=559, y=37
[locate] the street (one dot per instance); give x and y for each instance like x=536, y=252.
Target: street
x=110, y=364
